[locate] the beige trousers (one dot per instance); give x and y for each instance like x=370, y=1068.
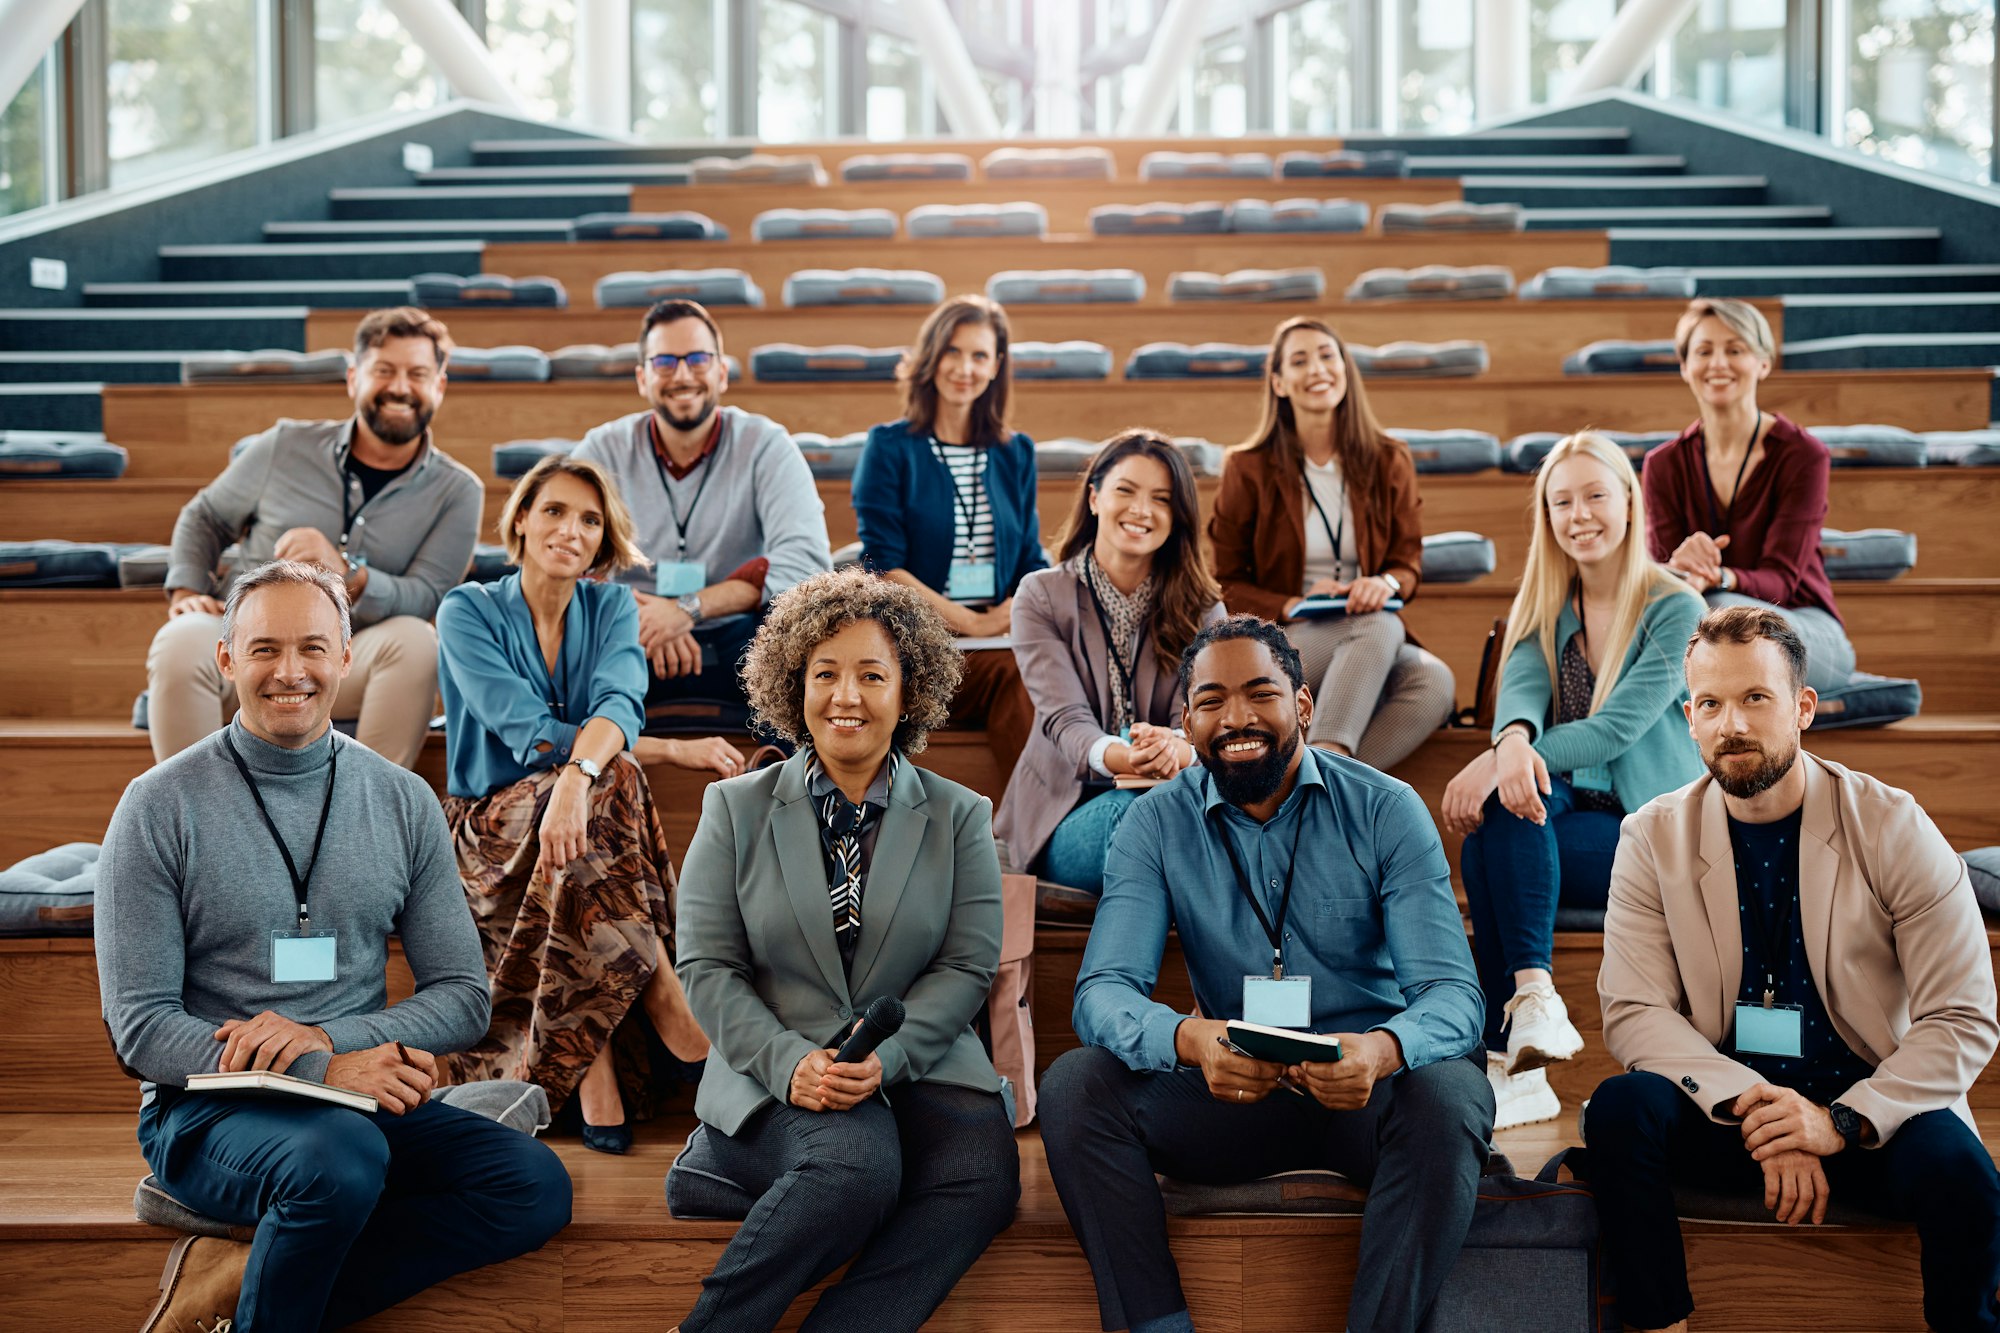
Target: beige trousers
x=392, y=688
x=1374, y=692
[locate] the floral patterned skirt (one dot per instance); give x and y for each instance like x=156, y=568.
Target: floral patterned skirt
x=569, y=955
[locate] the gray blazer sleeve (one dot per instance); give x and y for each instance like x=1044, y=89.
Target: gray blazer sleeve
x=438, y=565
x=218, y=514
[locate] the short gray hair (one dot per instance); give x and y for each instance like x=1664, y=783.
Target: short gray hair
x=286, y=571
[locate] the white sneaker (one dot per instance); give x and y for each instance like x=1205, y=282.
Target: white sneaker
x=1520, y=1099
x=1538, y=1029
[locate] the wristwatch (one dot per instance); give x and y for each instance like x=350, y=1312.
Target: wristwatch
x=1847, y=1123
x=590, y=768
x=690, y=602
x=1395, y=584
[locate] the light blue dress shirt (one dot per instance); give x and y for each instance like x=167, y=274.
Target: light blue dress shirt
x=1372, y=920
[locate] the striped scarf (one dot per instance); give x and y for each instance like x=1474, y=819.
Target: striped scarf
x=1127, y=618
x=842, y=824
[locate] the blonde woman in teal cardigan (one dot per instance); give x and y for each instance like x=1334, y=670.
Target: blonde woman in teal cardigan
x=1587, y=729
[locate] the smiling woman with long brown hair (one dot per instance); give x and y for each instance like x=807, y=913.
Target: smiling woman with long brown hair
x=1321, y=502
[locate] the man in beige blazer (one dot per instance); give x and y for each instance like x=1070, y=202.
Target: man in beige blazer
x=1798, y=978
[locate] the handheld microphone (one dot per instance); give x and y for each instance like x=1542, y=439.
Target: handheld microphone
x=883, y=1020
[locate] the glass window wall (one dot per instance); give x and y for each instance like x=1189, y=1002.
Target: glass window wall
x=1560, y=35
x=182, y=83
x=1217, y=100
x=23, y=165
x=1314, y=70
x=1731, y=54
x=1434, y=75
x=796, y=49
x=1919, y=79
x=533, y=43
x=366, y=63
x=675, y=91
x=898, y=102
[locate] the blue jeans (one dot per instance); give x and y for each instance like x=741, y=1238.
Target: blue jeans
x=1645, y=1135
x=1075, y=854
x=1516, y=872
x=354, y=1212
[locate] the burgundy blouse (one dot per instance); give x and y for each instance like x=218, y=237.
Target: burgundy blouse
x=1773, y=525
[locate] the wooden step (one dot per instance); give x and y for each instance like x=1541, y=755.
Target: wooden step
x=1522, y=337
x=81, y=653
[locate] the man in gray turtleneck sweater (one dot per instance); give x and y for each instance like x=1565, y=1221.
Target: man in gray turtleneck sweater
x=207, y=961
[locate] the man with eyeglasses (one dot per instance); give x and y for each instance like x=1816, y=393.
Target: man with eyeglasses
x=723, y=503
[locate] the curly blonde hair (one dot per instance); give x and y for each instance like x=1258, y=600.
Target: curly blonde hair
x=804, y=617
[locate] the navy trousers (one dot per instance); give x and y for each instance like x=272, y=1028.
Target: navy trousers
x=354, y=1212
x=1645, y=1134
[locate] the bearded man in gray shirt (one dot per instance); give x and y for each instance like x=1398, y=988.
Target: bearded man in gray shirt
x=369, y=498
x=246, y=895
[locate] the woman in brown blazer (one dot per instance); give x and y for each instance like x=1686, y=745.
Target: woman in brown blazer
x=1322, y=502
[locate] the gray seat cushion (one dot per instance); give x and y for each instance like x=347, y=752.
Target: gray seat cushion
x=514, y=365
x=1077, y=359
x=517, y=1105
x=1419, y=360
x=1020, y=286
x=1020, y=218
x=1249, y=284
x=1064, y=458
x=1870, y=553
x=863, y=286
x=831, y=458
x=70, y=456
x=152, y=1205
x=593, y=361
x=710, y=286
x=1343, y=162
x=144, y=566
x=1159, y=219
x=1086, y=163
x=515, y=458
x=489, y=562
x=697, y=1187
x=1962, y=448
x=807, y=224
x=1524, y=453
x=1182, y=166
x=1452, y=216
x=267, y=366
x=1298, y=215
x=907, y=167
x=1203, y=456
x=1612, y=281
x=483, y=289
x=1984, y=864
x=1872, y=446
x=758, y=169
x=50, y=893
x=1433, y=282
x=1179, y=361
x=790, y=363
x=1616, y=356
x=679, y=225
x=1868, y=701
x=1445, y=452
x=49, y=563
x=1457, y=557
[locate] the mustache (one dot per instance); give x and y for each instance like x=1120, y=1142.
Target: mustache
x=1740, y=747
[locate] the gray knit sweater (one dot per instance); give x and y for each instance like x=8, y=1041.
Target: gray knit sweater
x=190, y=887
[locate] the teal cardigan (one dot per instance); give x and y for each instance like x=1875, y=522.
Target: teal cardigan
x=1639, y=732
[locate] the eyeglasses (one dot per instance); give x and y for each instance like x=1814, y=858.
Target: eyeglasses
x=666, y=362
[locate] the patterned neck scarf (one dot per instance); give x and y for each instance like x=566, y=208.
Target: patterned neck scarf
x=842, y=826
x=1123, y=618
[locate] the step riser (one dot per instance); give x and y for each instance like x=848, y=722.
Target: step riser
x=280, y=267
x=1806, y=322
x=1777, y=283
x=169, y=299
x=53, y=411
x=81, y=367
x=1804, y=249
x=1609, y=195
x=1666, y=217
x=470, y=229
x=1897, y=358
x=1455, y=165
x=165, y=333
x=421, y=204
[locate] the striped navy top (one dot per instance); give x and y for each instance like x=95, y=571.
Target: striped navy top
x=972, y=513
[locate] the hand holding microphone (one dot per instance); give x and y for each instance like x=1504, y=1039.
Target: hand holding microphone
x=844, y=1079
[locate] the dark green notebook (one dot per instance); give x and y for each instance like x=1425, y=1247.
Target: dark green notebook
x=1283, y=1046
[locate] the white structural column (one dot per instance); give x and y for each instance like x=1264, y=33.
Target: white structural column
x=460, y=56
x=1058, y=70
x=1625, y=51
x=959, y=91
x=603, y=64
x=1175, y=44
x=1500, y=58
x=31, y=28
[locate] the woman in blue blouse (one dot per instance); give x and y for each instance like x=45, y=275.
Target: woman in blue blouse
x=945, y=502
x=563, y=858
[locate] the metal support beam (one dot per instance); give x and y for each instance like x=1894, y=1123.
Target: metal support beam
x=1623, y=54
x=32, y=27
x=84, y=64
x=1499, y=58
x=601, y=65
x=969, y=114
x=294, y=59
x=1176, y=42
x=1057, y=100
x=739, y=84
x=441, y=29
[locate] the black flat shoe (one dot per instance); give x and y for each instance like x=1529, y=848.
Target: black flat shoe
x=614, y=1139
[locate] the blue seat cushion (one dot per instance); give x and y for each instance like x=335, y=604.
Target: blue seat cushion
x=1453, y=215
x=268, y=365
x=1870, y=553
x=1419, y=360
x=1298, y=215
x=1159, y=219
x=807, y=224
x=1086, y=163
x=1444, y=452
x=1343, y=162
x=1076, y=359
x=1612, y=281
x=1872, y=446
x=758, y=169
x=489, y=561
x=1203, y=456
x=1457, y=557
x=794, y=364
x=1064, y=458
x=1524, y=453
x=1179, y=361
x=515, y=458
x=1433, y=282
x=1984, y=863
x=863, y=286
x=1962, y=448
x=831, y=458
x=593, y=361
x=679, y=225
x=50, y=893
x=907, y=167
x=514, y=365
x=70, y=456
x=710, y=286
x=1021, y=218
x=1249, y=284
x=452, y=289
x=1868, y=701
x=1616, y=356
x=1182, y=166
x=58, y=564
x=1020, y=286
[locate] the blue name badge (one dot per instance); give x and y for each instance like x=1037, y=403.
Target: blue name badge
x=972, y=581
x=309, y=957
x=1596, y=777
x=678, y=578
x=1276, y=1002
x=1773, y=1031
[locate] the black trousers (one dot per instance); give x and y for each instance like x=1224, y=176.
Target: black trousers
x=1645, y=1134
x=712, y=700
x=912, y=1192
x=1418, y=1146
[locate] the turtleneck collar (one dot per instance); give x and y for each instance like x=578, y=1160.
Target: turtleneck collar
x=276, y=760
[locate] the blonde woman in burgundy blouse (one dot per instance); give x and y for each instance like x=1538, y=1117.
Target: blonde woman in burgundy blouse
x=1735, y=504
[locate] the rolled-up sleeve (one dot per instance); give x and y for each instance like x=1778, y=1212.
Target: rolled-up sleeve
x=1114, y=1007
x=1426, y=938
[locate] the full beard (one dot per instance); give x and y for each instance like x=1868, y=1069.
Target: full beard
x=390, y=432
x=1766, y=775
x=694, y=419
x=1244, y=782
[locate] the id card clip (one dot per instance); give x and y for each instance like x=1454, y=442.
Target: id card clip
x=678, y=578
x=304, y=954
x=1278, y=1001
x=972, y=581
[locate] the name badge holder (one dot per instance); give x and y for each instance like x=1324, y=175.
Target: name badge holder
x=1278, y=1001
x=678, y=578
x=967, y=580
x=301, y=954
x=1771, y=1028
x=972, y=581
x=1592, y=777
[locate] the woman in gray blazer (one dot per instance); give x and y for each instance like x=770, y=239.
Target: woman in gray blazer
x=812, y=888
x=1099, y=640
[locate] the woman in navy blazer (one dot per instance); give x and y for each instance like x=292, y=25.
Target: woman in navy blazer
x=945, y=502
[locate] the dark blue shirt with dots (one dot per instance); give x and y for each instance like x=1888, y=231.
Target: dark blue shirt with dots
x=1767, y=888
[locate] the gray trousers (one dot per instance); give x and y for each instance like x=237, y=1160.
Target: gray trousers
x=1374, y=692
x=1418, y=1146
x=1829, y=656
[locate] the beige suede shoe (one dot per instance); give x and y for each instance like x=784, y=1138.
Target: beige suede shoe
x=199, y=1287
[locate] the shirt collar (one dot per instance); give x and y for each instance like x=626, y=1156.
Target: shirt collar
x=819, y=783
x=675, y=470
x=1310, y=775
x=343, y=447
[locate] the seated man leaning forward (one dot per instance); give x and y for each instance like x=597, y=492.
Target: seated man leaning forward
x=246, y=896
x=1797, y=976
x=369, y=498
x=1310, y=891
x=723, y=503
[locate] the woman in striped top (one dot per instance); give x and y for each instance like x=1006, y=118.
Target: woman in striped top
x=945, y=503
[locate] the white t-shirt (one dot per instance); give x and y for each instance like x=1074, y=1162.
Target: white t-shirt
x=1325, y=484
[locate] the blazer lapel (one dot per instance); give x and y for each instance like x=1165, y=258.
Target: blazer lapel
x=1819, y=869
x=1094, y=654
x=904, y=824
x=796, y=829
x=1720, y=901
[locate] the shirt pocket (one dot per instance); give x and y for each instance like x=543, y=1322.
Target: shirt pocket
x=1334, y=907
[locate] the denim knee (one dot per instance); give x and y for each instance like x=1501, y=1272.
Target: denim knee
x=1628, y=1110
x=335, y=1164
x=541, y=1185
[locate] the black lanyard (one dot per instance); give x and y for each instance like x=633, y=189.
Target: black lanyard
x=1128, y=671
x=963, y=508
x=299, y=882
x=1333, y=534
x=350, y=512
x=1272, y=932
x=1582, y=624
x=1777, y=939
x=707, y=465
x=1718, y=519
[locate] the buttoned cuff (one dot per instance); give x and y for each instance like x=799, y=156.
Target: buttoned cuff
x=1156, y=1038
x=1418, y=1050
